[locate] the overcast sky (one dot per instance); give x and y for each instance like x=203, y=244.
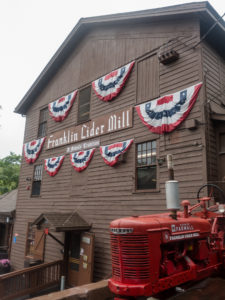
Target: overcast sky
x=31, y=31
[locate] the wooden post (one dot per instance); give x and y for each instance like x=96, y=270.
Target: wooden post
x=170, y=166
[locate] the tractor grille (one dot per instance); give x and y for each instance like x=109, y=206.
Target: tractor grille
x=130, y=258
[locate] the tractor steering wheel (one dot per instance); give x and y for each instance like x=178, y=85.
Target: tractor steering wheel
x=211, y=192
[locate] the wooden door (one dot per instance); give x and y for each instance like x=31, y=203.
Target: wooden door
x=39, y=245
x=73, y=259
x=221, y=163
x=86, y=258
x=221, y=156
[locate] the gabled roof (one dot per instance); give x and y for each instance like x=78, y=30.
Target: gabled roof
x=58, y=221
x=202, y=9
x=217, y=110
x=8, y=202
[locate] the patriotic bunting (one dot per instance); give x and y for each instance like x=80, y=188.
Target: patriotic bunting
x=32, y=150
x=60, y=108
x=111, y=153
x=109, y=86
x=80, y=160
x=52, y=165
x=166, y=113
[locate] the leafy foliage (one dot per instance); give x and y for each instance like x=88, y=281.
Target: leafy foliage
x=9, y=172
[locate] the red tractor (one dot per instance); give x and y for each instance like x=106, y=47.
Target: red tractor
x=153, y=253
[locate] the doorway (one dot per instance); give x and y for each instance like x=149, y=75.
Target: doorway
x=80, y=257
x=220, y=133
x=73, y=259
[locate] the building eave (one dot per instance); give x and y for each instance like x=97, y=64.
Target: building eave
x=202, y=9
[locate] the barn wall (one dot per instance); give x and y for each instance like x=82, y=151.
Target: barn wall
x=102, y=193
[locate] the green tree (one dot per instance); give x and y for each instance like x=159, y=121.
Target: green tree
x=9, y=172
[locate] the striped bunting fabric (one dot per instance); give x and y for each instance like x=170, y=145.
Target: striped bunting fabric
x=166, y=113
x=52, y=165
x=60, y=108
x=111, y=153
x=109, y=86
x=80, y=160
x=32, y=150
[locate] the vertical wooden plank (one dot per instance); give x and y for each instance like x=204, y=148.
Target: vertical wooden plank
x=148, y=79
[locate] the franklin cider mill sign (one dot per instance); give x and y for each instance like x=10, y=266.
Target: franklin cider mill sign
x=102, y=125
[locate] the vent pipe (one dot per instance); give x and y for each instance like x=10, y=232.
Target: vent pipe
x=172, y=195
x=172, y=190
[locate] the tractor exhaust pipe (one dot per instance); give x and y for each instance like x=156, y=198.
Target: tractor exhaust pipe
x=172, y=190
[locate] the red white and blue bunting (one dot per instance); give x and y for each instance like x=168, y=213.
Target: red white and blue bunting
x=52, y=165
x=80, y=160
x=60, y=108
x=166, y=113
x=32, y=150
x=109, y=86
x=111, y=153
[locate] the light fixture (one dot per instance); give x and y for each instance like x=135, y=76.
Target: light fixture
x=161, y=160
x=221, y=208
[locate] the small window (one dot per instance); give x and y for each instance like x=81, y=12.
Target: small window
x=36, y=185
x=42, y=129
x=30, y=240
x=146, y=166
x=84, y=105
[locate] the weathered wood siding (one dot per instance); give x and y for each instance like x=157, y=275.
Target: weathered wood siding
x=102, y=193
x=214, y=81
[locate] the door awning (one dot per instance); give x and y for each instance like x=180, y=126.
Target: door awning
x=57, y=221
x=217, y=111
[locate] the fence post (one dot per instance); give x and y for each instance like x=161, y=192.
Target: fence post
x=2, y=289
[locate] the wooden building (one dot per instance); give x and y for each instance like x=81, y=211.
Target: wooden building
x=7, y=218
x=171, y=49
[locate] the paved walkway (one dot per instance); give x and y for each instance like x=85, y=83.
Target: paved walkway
x=211, y=288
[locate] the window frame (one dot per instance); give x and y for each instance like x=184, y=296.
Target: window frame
x=39, y=195
x=43, y=122
x=30, y=232
x=80, y=121
x=156, y=189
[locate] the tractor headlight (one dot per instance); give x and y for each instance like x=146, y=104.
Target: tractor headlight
x=221, y=208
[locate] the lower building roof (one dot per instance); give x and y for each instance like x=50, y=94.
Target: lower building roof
x=58, y=221
x=8, y=202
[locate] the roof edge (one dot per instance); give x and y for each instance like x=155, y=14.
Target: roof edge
x=83, y=26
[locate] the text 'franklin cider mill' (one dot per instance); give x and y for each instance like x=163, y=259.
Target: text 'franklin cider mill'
x=99, y=126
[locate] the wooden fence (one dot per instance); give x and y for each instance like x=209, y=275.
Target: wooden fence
x=30, y=280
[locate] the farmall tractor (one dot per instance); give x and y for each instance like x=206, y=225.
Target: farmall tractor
x=154, y=253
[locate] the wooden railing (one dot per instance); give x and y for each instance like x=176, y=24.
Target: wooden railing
x=30, y=280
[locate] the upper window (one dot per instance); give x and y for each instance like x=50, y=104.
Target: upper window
x=36, y=185
x=42, y=129
x=84, y=105
x=146, y=166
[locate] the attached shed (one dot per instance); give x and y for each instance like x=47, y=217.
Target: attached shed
x=7, y=219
